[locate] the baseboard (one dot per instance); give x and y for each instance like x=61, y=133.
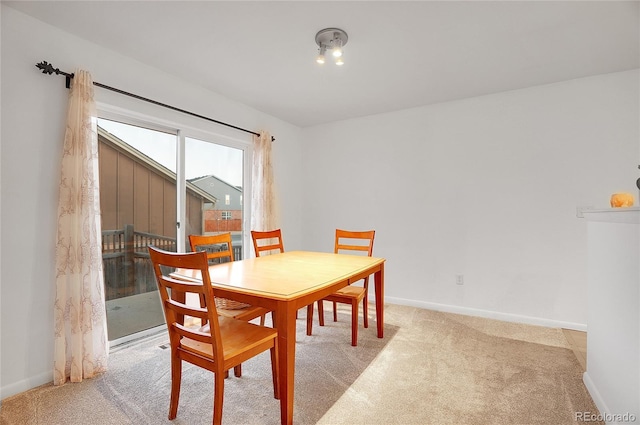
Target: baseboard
x=506, y=317
x=595, y=394
x=26, y=384
x=604, y=414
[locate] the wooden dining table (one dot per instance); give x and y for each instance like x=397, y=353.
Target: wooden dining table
x=287, y=282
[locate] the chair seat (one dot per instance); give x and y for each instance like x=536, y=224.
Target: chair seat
x=236, y=334
x=247, y=314
x=347, y=293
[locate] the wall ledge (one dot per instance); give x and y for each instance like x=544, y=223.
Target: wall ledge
x=614, y=215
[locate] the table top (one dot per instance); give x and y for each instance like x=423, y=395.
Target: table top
x=287, y=275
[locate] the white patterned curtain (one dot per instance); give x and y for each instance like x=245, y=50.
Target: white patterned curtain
x=263, y=201
x=80, y=339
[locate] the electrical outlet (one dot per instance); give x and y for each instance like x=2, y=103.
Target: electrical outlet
x=459, y=279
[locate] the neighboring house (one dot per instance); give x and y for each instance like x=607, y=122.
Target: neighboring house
x=226, y=214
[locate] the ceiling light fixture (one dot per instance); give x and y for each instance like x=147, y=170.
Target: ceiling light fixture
x=331, y=39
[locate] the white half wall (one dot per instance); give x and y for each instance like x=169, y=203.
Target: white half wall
x=33, y=115
x=486, y=188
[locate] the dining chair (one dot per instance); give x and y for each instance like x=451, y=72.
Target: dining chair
x=346, y=240
x=218, y=346
x=269, y=241
x=219, y=249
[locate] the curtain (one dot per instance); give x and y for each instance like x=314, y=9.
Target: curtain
x=263, y=202
x=80, y=326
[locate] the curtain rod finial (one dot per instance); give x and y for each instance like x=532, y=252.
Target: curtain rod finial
x=46, y=67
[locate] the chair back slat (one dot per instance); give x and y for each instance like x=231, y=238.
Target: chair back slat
x=186, y=310
x=194, y=334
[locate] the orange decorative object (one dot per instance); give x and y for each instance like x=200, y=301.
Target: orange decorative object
x=619, y=200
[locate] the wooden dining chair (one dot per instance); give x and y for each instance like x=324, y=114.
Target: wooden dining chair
x=346, y=240
x=219, y=249
x=218, y=346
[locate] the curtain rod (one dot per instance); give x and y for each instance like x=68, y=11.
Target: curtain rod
x=47, y=68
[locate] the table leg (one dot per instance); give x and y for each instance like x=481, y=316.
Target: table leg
x=379, y=283
x=286, y=325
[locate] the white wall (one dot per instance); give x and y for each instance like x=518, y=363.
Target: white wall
x=33, y=113
x=485, y=187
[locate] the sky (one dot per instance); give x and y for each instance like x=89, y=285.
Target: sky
x=201, y=158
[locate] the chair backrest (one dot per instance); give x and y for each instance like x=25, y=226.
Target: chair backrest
x=206, y=243
x=354, y=241
x=262, y=241
x=175, y=293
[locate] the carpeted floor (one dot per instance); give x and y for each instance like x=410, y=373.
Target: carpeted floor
x=431, y=368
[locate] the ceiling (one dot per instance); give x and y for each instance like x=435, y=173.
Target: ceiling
x=399, y=54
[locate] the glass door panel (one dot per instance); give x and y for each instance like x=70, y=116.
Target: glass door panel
x=138, y=206
x=214, y=191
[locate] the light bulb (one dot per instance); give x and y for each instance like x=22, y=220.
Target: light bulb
x=320, y=57
x=337, y=45
x=340, y=61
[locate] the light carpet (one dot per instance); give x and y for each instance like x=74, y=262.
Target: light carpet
x=430, y=368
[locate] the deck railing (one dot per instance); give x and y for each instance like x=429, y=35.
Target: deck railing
x=125, y=257
x=127, y=268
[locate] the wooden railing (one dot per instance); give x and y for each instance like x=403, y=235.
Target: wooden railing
x=125, y=257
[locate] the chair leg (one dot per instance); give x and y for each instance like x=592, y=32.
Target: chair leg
x=218, y=398
x=274, y=372
x=176, y=376
x=365, y=310
x=262, y=320
x=273, y=319
x=335, y=311
x=309, y=318
x=321, y=312
x=237, y=370
x=354, y=322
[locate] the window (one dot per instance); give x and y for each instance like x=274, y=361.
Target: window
x=226, y=215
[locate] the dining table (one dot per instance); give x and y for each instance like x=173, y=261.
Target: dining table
x=286, y=282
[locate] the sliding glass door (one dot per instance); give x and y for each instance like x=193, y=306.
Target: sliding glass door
x=138, y=203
